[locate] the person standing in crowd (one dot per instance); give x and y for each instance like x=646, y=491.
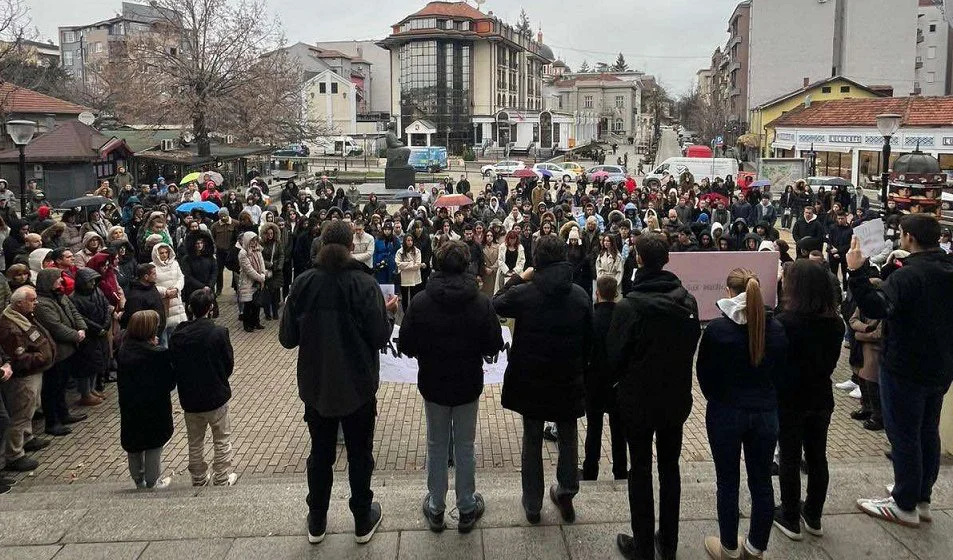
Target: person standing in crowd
x=145, y=403
x=337, y=318
x=203, y=360
x=57, y=314
x=170, y=282
x=741, y=370
x=656, y=323
x=609, y=262
x=143, y=295
x=251, y=280
x=550, y=312
x=808, y=226
x=451, y=305
x=272, y=254
x=223, y=233
x=363, y=244
x=600, y=393
x=914, y=303
x=199, y=266
x=92, y=356
x=385, y=253
x=838, y=243
x=30, y=350
x=409, y=266
x=512, y=259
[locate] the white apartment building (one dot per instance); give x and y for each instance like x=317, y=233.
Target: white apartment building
x=873, y=42
x=933, y=75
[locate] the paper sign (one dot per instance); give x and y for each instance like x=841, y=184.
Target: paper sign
x=398, y=368
x=871, y=235
x=387, y=290
x=704, y=276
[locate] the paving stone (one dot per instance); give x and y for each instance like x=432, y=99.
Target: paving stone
x=28, y=552
x=382, y=547
x=427, y=545
x=102, y=551
x=931, y=541
x=860, y=536
x=193, y=549
x=539, y=543
x=37, y=527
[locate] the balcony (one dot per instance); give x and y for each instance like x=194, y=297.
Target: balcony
x=919, y=63
x=920, y=37
x=735, y=65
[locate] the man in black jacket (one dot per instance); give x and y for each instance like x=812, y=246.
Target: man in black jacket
x=203, y=360
x=808, y=226
x=337, y=318
x=917, y=367
x=838, y=243
x=143, y=295
x=544, y=376
x=651, y=342
x=451, y=376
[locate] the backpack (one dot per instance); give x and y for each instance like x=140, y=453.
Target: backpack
x=231, y=259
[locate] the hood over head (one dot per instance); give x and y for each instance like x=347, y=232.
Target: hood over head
x=767, y=246
x=91, y=235
x=246, y=239
x=36, y=259
x=717, y=226
x=86, y=280
x=45, y=279
x=156, y=260
x=269, y=226
x=194, y=236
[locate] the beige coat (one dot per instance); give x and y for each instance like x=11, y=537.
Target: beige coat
x=491, y=263
x=871, y=345
x=408, y=265
x=251, y=266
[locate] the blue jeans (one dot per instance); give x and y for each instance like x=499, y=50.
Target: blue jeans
x=446, y=423
x=756, y=431
x=911, y=414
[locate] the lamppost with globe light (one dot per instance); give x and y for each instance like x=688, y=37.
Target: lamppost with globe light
x=888, y=124
x=21, y=132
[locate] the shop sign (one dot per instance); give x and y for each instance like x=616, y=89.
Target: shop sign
x=948, y=140
x=846, y=138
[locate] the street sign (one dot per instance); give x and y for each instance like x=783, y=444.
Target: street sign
x=719, y=140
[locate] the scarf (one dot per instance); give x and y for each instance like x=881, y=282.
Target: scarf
x=17, y=318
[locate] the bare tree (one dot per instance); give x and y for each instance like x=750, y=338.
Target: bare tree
x=15, y=29
x=703, y=114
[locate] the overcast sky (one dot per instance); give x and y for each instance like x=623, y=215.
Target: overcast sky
x=670, y=39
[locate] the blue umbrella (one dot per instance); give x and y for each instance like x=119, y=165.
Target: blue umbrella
x=204, y=206
x=761, y=183
x=545, y=172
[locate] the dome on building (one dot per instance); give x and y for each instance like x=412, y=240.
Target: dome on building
x=559, y=64
x=546, y=52
x=916, y=162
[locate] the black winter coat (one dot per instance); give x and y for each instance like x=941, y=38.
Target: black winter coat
x=200, y=269
x=453, y=310
x=651, y=344
x=203, y=360
x=336, y=318
x=140, y=297
x=599, y=379
x=145, y=382
x=813, y=229
x=92, y=354
x=551, y=343
x=814, y=346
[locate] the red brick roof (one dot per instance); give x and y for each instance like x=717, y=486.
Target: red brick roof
x=70, y=142
x=927, y=112
x=450, y=9
x=331, y=54
x=15, y=99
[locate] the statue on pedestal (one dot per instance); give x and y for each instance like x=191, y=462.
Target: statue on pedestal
x=398, y=174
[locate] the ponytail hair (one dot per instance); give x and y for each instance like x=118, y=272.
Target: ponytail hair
x=743, y=280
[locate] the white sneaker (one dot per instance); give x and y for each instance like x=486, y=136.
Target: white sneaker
x=846, y=385
x=163, y=483
x=230, y=481
x=888, y=510
x=923, y=508
x=856, y=394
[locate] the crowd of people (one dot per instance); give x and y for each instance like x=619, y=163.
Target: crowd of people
x=132, y=288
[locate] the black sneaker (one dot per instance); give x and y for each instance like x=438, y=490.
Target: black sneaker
x=790, y=530
x=563, y=504
x=873, y=425
x=58, y=430
x=36, y=444
x=365, y=528
x=862, y=414
x=434, y=520
x=468, y=520
x=23, y=464
x=626, y=545
x=7, y=481
x=74, y=418
x=812, y=524
x=533, y=518
x=316, y=529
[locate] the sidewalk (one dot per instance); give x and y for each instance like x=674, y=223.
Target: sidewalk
x=265, y=518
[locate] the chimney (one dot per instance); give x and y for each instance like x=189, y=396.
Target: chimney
x=807, y=82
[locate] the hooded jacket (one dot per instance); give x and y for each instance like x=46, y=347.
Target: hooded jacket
x=200, y=269
x=168, y=276
x=203, y=360
x=651, y=343
x=251, y=267
x=551, y=343
x=145, y=382
x=36, y=262
x=453, y=306
x=273, y=254
x=82, y=258
x=738, y=233
x=93, y=353
x=57, y=314
x=336, y=318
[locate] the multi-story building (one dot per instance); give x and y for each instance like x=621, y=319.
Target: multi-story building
x=736, y=52
x=476, y=79
x=934, y=50
x=703, y=83
x=86, y=48
x=872, y=42
x=372, y=80
x=600, y=104
x=46, y=55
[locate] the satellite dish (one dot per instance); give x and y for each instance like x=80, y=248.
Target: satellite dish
x=479, y=3
x=87, y=118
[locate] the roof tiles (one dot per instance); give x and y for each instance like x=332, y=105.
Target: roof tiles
x=924, y=112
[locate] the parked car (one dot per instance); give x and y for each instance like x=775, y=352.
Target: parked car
x=616, y=173
x=820, y=181
x=700, y=168
x=502, y=168
x=557, y=171
x=574, y=169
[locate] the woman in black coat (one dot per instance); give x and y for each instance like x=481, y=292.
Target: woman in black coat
x=93, y=353
x=199, y=266
x=145, y=404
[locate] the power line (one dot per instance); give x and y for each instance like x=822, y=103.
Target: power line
x=630, y=55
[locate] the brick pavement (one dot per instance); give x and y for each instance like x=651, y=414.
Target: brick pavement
x=270, y=437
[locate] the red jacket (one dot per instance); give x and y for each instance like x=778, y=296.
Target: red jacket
x=105, y=264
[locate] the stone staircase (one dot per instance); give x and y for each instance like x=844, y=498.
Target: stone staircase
x=265, y=518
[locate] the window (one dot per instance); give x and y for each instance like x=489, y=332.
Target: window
x=587, y=102
x=97, y=47
x=323, y=87
x=67, y=58
x=463, y=25
x=618, y=125
x=931, y=77
x=932, y=28
x=931, y=52
x=826, y=89
x=69, y=37
x=620, y=101
x=845, y=89
x=334, y=87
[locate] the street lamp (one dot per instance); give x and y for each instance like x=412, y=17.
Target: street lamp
x=21, y=132
x=888, y=124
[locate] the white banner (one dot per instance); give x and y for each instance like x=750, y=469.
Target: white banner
x=398, y=368
x=871, y=235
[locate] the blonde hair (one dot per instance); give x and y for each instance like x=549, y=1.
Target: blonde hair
x=143, y=325
x=742, y=280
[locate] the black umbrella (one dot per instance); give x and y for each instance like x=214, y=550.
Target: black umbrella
x=837, y=182
x=404, y=195
x=85, y=202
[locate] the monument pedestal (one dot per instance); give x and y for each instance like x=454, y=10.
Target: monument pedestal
x=399, y=177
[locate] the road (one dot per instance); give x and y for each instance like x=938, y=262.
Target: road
x=668, y=147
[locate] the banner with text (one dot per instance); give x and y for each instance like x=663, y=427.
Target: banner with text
x=704, y=275
x=398, y=368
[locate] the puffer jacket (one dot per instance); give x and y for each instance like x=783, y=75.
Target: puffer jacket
x=169, y=275
x=251, y=266
x=200, y=269
x=82, y=258
x=272, y=254
x=92, y=355
x=57, y=314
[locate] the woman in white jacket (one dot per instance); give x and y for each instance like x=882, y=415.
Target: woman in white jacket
x=409, y=266
x=169, y=277
x=609, y=262
x=251, y=277
x=512, y=259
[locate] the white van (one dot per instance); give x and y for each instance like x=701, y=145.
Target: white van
x=698, y=167
x=335, y=146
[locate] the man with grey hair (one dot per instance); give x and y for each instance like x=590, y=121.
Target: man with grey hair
x=27, y=351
